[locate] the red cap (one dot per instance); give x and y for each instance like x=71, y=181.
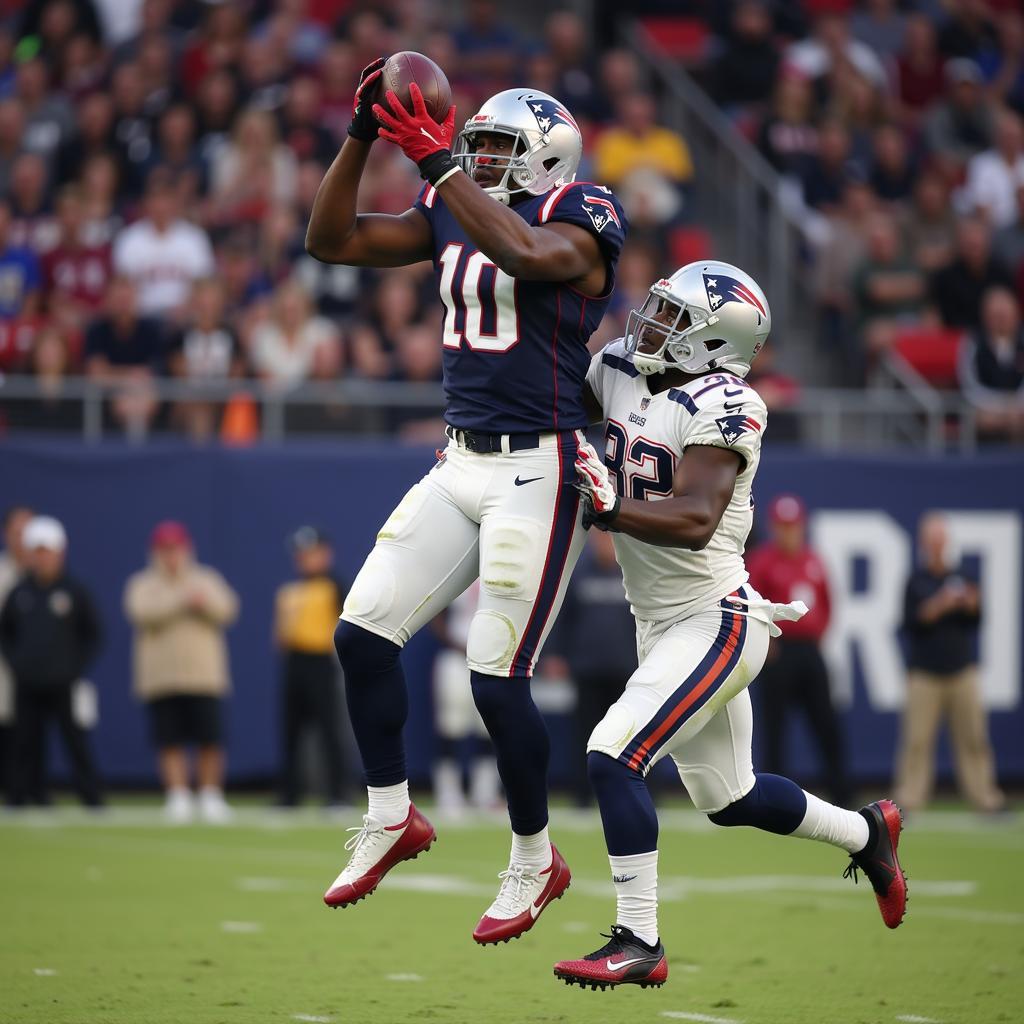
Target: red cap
x=168, y=534
x=787, y=508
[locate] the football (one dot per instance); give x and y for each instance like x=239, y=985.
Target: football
x=402, y=69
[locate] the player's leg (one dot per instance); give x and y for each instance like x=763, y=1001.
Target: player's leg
x=530, y=539
x=76, y=741
x=293, y=718
x=975, y=762
x=425, y=556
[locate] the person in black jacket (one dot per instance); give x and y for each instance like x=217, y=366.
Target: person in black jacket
x=49, y=634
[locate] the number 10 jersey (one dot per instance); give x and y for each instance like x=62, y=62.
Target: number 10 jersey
x=645, y=437
x=515, y=354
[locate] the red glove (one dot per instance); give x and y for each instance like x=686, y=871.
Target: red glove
x=417, y=133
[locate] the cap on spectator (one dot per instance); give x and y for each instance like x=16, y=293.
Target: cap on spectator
x=787, y=508
x=170, y=534
x=306, y=537
x=963, y=69
x=44, y=532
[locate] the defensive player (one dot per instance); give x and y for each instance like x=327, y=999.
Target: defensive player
x=525, y=261
x=683, y=442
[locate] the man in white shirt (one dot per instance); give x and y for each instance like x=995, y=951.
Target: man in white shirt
x=162, y=253
x=994, y=176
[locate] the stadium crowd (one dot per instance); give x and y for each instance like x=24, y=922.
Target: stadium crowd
x=159, y=158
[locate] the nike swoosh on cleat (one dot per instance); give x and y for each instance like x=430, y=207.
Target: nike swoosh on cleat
x=626, y=963
x=530, y=480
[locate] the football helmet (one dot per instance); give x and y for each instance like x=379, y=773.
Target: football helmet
x=546, y=148
x=707, y=316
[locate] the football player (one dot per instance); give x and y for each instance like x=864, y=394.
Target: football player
x=683, y=441
x=525, y=263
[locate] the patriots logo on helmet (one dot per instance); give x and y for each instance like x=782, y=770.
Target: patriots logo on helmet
x=735, y=426
x=721, y=289
x=548, y=113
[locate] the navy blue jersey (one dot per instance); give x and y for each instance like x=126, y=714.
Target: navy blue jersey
x=515, y=355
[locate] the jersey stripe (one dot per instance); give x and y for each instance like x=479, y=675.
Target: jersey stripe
x=618, y=363
x=552, y=202
x=684, y=400
x=429, y=196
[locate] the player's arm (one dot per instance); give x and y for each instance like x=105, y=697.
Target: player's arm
x=701, y=490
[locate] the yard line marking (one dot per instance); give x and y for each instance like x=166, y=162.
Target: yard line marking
x=912, y=1018
x=404, y=977
x=575, y=927
x=309, y=1017
x=703, y=1018
x=241, y=927
x=446, y=884
x=44, y=972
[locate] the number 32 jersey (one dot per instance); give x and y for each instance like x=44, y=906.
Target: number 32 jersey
x=515, y=354
x=646, y=436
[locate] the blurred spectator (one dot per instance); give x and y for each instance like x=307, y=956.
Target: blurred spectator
x=394, y=307
x=994, y=176
x=50, y=364
x=49, y=118
x=133, y=129
x=123, y=349
x=306, y=611
x=49, y=635
x=930, y=229
x=745, y=70
x=957, y=288
x=264, y=73
x=20, y=276
x=294, y=344
x=180, y=610
x=418, y=359
x=13, y=564
x=302, y=130
x=963, y=124
x=992, y=368
x=880, y=25
x=217, y=45
x=338, y=77
x=893, y=171
x=33, y=223
x=1008, y=241
x=94, y=135
x=1003, y=66
x=967, y=28
x=216, y=104
x=176, y=153
x=207, y=349
x=12, y=132
x=919, y=68
x=788, y=138
x=161, y=253
x=831, y=45
x=75, y=275
x=488, y=50
x=942, y=611
x=794, y=677
x=573, y=74
x=827, y=172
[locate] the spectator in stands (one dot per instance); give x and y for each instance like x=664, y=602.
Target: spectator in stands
x=13, y=565
x=306, y=611
x=122, y=349
x=418, y=360
x=301, y=128
x=20, y=277
x=744, y=73
x=638, y=142
x=50, y=364
x=133, y=129
x=49, y=635
x=1008, y=241
x=957, y=288
x=795, y=677
x=881, y=26
x=206, y=350
x=94, y=133
x=294, y=344
x=574, y=78
x=75, y=275
x=942, y=611
x=103, y=221
x=264, y=73
x=488, y=49
x=788, y=138
x=394, y=307
x=33, y=224
x=967, y=28
x=49, y=118
x=919, y=69
x=994, y=176
x=831, y=45
x=992, y=367
x=893, y=170
x=827, y=172
x=180, y=610
x=162, y=253
x=930, y=228
x=175, y=151
x=12, y=131
x=964, y=123
x=216, y=105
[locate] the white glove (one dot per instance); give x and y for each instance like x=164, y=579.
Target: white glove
x=602, y=503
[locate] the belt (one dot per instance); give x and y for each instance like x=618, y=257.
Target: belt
x=492, y=444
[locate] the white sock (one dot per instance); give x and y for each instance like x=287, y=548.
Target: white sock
x=389, y=804
x=836, y=825
x=636, y=894
x=531, y=851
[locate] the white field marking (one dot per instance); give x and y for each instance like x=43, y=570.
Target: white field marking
x=258, y=883
x=702, y=1017
x=241, y=927
x=404, y=977
x=311, y=1018
x=912, y=1018
x=449, y=885
x=575, y=927
x=44, y=972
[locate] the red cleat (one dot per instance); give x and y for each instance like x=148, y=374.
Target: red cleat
x=376, y=849
x=879, y=861
x=625, y=960
x=521, y=898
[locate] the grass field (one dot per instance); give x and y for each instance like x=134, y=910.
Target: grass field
x=121, y=920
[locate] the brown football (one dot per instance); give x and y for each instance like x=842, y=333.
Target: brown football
x=402, y=69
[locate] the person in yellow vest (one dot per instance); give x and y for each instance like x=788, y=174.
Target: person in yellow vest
x=306, y=611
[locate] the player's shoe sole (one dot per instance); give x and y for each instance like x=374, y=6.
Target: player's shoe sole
x=490, y=931
x=417, y=837
x=880, y=862
x=623, y=961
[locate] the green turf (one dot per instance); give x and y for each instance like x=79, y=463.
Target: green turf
x=130, y=915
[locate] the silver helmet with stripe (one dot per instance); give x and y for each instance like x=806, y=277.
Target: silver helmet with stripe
x=707, y=316
x=546, y=144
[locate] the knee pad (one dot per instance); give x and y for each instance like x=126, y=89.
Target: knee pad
x=612, y=734
x=363, y=653
x=708, y=788
x=509, y=555
x=491, y=644
x=372, y=594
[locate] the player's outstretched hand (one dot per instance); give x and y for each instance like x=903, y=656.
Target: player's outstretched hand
x=601, y=503
x=364, y=125
x=417, y=133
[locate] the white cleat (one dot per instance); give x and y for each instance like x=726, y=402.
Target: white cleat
x=179, y=807
x=213, y=808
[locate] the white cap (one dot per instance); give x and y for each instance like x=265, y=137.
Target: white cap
x=44, y=532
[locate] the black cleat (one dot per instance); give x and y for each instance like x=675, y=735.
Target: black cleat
x=624, y=960
x=879, y=861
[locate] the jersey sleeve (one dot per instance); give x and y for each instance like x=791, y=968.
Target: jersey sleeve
x=425, y=202
x=724, y=419
x=593, y=208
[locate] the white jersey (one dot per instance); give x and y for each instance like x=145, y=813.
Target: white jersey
x=646, y=436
